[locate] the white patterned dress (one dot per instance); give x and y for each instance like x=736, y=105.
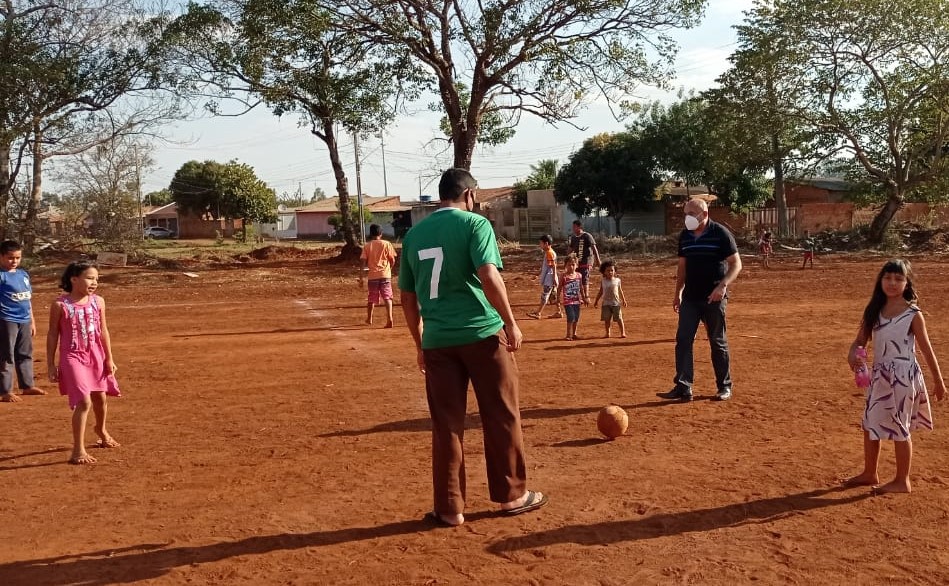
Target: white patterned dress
x=897, y=400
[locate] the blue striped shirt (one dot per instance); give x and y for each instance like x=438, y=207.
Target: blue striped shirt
x=705, y=258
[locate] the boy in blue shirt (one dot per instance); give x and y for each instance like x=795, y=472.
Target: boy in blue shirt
x=17, y=326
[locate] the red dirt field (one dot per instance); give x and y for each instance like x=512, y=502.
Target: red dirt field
x=270, y=437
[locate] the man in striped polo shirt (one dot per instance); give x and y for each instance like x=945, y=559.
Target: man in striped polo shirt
x=708, y=264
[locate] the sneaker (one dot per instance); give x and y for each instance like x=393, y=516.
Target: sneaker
x=723, y=395
x=677, y=394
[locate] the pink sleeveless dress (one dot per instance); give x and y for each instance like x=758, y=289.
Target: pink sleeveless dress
x=81, y=353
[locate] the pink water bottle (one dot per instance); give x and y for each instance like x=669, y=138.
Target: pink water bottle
x=861, y=374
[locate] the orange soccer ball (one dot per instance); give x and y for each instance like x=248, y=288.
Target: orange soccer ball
x=612, y=421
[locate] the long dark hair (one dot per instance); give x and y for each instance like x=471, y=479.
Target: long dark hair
x=872, y=313
x=74, y=269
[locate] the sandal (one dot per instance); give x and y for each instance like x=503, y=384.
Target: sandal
x=533, y=315
x=535, y=500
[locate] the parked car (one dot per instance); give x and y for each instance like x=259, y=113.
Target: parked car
x=158, y=232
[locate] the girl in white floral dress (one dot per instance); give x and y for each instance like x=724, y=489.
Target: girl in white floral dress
x=897, y=401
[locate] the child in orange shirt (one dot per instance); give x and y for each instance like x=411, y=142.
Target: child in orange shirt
x=378, y=256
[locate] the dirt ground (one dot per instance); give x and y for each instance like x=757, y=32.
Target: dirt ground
x=269, y=437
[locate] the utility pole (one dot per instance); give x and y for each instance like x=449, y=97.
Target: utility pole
x=362, y=223
x=385, y=182
x=138, y=192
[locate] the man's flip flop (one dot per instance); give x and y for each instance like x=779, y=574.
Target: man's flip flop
x=533, y=502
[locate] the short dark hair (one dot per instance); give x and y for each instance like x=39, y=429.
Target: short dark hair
x=454, y=183
x=8, y=246
x=375, y=230
x=74, y=269
x=547, y=239
x=578, y=223
x=606, y=264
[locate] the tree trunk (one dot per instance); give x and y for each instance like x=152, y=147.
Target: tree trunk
x=6, y=185
x=28, y=231
x=350, y=248
x=883, y=218
x=464, y=147
x=617, y=220
x=780, y=202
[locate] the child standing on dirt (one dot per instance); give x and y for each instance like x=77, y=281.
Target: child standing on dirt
x=809, y=245
x=766, y=248
x=378, y=256
x=17, y=323
x=611, y=291
x=548, y=278
x=86, y=372
x=571, y=290
x=897, y=401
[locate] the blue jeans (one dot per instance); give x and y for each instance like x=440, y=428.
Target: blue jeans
x=713, y=315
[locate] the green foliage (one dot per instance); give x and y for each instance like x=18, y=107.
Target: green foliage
x=612, y=172
x=491, y=62
x=161, y=197
x=691, y=141
x=300, y=58
x=543, y=176
x=336, y=220
x=873, y=84
x=76, y=75
x=229, y=191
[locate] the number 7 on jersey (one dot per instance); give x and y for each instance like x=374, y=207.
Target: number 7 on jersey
x=436, y=255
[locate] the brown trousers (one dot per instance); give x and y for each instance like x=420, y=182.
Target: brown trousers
x=493, y=374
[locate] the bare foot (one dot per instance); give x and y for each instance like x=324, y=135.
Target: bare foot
x=862, y=479
x=82, y=458
x=32, y=391
x=622, y=335
x=606, y=335
x=107, y=442
x=388, y=325
x=9, y=398
x=894, y=486
x=368, y=322
x=568, y=338
x=445, y=520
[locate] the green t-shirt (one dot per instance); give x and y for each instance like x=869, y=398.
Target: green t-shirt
x=440, y=259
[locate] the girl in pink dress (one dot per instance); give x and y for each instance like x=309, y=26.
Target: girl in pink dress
x=86, y=372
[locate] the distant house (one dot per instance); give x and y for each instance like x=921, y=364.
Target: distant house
x=165, y=216
x=312, y=221
x=55, y=221
x=804, y=190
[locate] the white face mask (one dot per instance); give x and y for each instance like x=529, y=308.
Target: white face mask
x=691, y=222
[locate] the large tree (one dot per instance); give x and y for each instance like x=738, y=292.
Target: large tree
x=293, y=57
x=754, y=104
x=503, y=58
x=874, y=79
x=611, y=172
x=697, y=144
x=75, y=75
x=223, y=191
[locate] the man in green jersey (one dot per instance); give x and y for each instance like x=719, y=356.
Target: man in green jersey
x=449, y=280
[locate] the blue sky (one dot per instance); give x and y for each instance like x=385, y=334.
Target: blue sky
x=286, y=156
